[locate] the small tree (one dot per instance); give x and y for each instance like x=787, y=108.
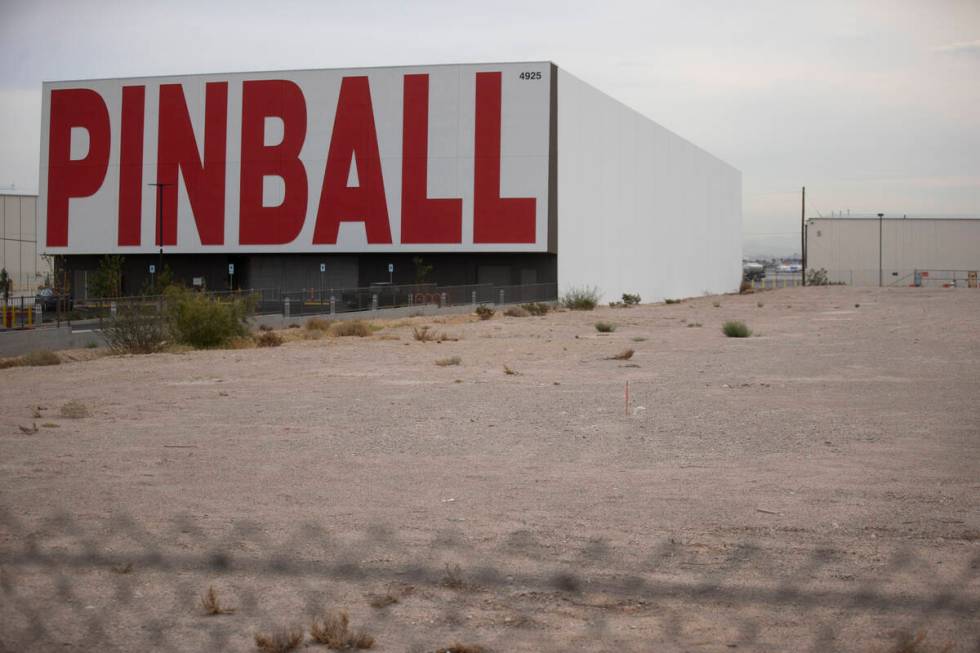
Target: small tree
x=5, y=285
x=422, y=270
x=161, y=281
x=107, y=280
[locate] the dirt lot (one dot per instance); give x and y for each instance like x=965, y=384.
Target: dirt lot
x=813, y=487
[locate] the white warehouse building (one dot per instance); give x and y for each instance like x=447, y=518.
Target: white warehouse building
x=498, y=173
x=19, y=251
x=894, y=251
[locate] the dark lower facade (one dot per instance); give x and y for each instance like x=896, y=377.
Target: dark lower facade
x=296, y=272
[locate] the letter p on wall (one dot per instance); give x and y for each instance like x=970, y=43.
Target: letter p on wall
x=84, y=109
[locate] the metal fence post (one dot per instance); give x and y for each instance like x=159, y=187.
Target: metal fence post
x=442, y=300
x=333, y=305
x=374, y=302
x=285, y=307
x=474, y=298
x=501, y=301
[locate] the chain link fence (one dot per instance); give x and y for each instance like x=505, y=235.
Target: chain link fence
x=24, y=312
x=380, y=296
x=73, y=582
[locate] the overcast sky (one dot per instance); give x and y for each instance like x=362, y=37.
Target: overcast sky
x=874, y=106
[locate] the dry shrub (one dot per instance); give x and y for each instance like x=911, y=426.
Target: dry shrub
x=40, y=357
x=691, y=325
x=33, y=359
x=292, y=326
x=484, y=312
x=736, y=329
x=510, y=372
x=672, y=301
x=605, y=327
x=212, y=605
x=265, y=327
x=453, y=578
x=397, y=324
x=74, y=410
x=581, y=299
x=137, y=327
x=333, y=630
x=624, y=355
x=423, y=333
x=516, y=311
x=457, y=647
x=745, y=288
x=536, y=308
x=382, y=600
x=446, y=362
x=282, y=640
x=269, y=339
x=916, y=644
x=345, y=328
x=241, y=342
x=389, y=597
x=318, y=324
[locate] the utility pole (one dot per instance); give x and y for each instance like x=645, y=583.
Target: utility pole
x=803, y=233
x=160, y=186
x=881, y=278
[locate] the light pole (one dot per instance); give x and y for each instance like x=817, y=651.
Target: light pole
x=803, y=235
x=160, y=186
x=881, y=277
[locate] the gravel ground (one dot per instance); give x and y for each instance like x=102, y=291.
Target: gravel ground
x=813, y=487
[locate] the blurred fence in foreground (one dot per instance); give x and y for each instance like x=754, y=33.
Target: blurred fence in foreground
x=105, y=585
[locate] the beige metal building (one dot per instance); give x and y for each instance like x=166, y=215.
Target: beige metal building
x=941, y=251
x=19, y=253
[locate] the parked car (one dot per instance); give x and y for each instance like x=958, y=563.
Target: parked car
x=49, y=299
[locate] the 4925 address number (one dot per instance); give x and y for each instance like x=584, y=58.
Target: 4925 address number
x=531, y=75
